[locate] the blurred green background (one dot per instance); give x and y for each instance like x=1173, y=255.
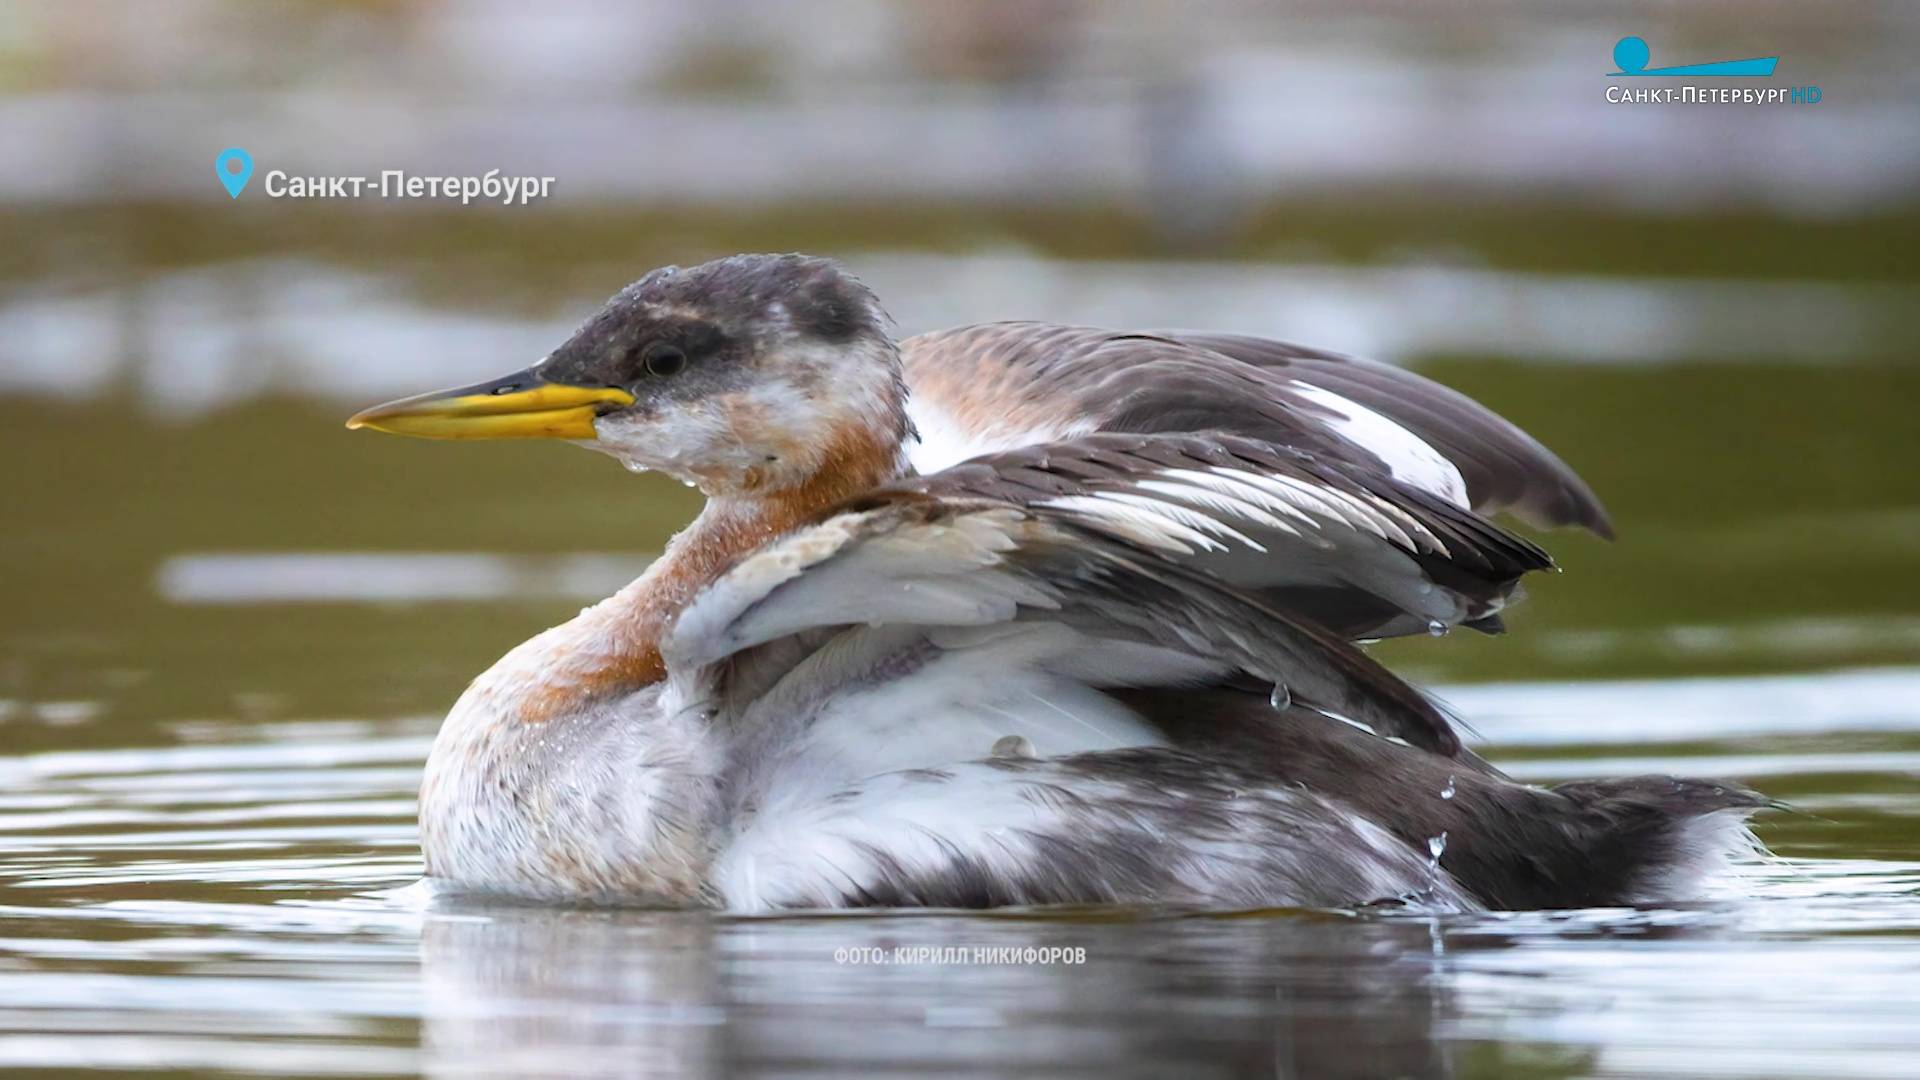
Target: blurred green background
x=1711, y=312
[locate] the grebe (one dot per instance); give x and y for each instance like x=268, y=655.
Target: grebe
x=1018, y=614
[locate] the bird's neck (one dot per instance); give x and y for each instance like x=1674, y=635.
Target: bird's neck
x=613, y=648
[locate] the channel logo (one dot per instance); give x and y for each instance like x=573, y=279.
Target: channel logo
x=1632, y=54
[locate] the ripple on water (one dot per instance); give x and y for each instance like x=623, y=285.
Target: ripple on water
x=247, y=905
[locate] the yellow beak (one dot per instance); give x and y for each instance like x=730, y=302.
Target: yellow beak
x=520, y=406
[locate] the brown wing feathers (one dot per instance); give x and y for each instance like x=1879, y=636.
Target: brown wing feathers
x=1183, y=381
x=1505, y=468
x=1115, y=587
x=1219, y=471
x=1265, y=501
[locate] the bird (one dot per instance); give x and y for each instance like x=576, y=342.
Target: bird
x=1020, y=614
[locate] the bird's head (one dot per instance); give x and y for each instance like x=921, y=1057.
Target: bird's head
x=743, y=374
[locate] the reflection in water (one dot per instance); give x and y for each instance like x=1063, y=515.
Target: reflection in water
x=224, y=663
x=242, y=900
x=536, y=992
x=1290, y=994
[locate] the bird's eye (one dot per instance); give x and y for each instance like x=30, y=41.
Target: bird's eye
x=664, y=359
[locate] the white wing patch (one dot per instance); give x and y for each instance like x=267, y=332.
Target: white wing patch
x=1166, y=525
x=1409, y=457
x=1180, y=510
x=945, y=441
x=1220, y=491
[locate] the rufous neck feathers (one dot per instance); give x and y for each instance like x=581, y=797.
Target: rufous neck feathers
x=614, y=647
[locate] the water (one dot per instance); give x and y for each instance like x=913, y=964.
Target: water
x=216, y=691
x=228, y=628
x=234, y=627
x=239, y=625
x=239, y=899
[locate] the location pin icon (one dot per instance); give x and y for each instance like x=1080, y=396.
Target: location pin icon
x=234, y=167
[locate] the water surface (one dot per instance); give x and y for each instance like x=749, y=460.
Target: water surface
x=228, y=628
x=237, y=632
x=240, y=899
x=232, y=627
